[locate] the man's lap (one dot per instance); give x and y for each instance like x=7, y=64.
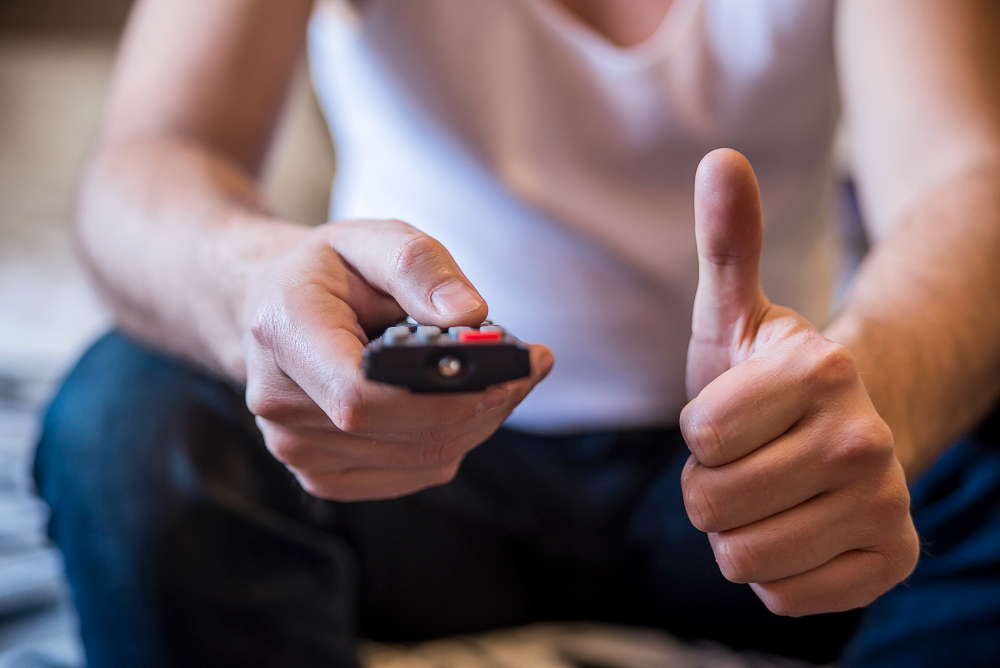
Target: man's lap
x=948, y=611
x=182, y=532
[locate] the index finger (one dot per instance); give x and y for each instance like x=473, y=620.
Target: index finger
x=745, y=408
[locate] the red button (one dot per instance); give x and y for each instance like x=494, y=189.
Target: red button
x=478, y=336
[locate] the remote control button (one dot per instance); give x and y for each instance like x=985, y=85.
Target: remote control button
x=454, y=332
x=491, y=328
x=396, y=335
x=428, y=333
x=450, y=366
x=479, y=336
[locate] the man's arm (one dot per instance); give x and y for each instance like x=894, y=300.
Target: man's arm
x=921, y=84
x=171, y=225
x=169, y=218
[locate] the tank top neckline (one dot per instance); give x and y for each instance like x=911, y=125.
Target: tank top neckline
x=594, y=44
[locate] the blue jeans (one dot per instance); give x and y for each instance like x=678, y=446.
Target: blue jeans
x=187, y=544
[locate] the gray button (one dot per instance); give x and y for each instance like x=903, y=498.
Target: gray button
x=491, y=328
x=428, y=333
x=396, y=335
x=453, y=331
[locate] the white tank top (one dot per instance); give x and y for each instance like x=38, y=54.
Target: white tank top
x=558, y=168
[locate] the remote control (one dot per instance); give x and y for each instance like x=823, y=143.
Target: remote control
x=461, y=359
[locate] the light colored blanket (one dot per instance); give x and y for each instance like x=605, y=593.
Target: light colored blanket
x=566, y=646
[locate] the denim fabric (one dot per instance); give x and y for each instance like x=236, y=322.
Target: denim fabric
x=187, y=544
x=948, y=612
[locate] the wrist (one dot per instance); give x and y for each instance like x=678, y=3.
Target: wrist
x=250, y=246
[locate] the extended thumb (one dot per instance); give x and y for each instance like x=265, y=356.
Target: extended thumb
x=729, y=228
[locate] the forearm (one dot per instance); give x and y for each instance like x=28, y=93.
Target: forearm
x=923, y=317
x=170, y=233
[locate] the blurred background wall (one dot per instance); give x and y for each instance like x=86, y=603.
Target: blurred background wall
x=63, y=16
x=55, y=62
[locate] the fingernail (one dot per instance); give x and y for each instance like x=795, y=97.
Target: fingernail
x=494, y=398
x=455, y=297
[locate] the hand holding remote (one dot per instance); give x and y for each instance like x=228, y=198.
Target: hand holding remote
x=343, y=436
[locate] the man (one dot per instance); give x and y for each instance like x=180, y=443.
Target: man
x=550, y=147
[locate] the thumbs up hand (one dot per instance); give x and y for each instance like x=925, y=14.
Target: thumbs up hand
x=793, y=474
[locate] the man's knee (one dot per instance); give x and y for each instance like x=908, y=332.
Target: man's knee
x=128, y=421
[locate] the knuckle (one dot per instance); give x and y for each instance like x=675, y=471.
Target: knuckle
x=269, y=405
x=351, y=418
x=780, y=601
x=702, y=437
x=415, y=252
x=287, y=449
x=262, y=327
x=267, y=323
x=910, y=553
x=347, y=410
x=833, y=365
x=886, y=438
x=892, y=502
x=878, y=436
x=865, y=443
x=332, y=486
x=903, y=552
x=737, y=559
x=445, y=474
x=263, y=404
x=321, y=490
x=702, y=507
x=900, y=557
